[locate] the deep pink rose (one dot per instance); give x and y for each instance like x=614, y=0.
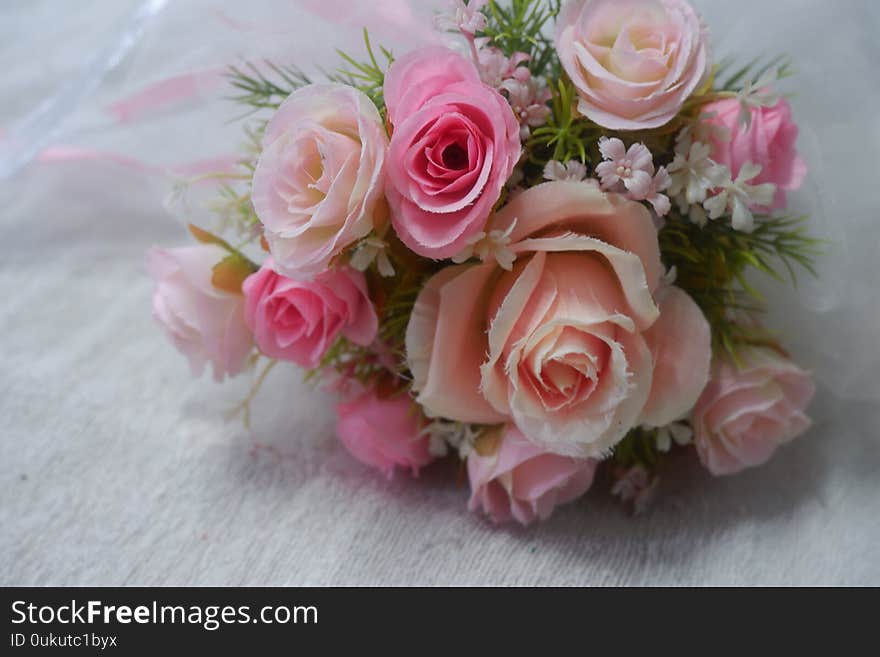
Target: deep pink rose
x=454, y=145
x=300, y=320
x=519, y=480
x=578, y=344
x=769, y=142
x=633, y=62
x=749, y=409
x=383, y=432
x=319, y=181
x=204, y=323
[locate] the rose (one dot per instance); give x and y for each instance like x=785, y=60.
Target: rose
x=513, y=478
x=318, y=183
x=383, y=432
x=205, y=323
x=749, y=409
x=454, y=145
x=633, y=62
x=768, y=142
x=571, y=344
x=299, y=321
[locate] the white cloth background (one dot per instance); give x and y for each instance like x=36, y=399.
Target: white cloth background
x=117, y=468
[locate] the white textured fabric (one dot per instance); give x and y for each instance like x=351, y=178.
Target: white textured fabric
x=117, y=468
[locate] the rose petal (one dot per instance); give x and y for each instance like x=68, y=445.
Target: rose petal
x=681, y=344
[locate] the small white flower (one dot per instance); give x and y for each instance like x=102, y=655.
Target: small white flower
x=678, y=432
x=737, y=197
x=701, y=130
x=757, y=94
x=695, y=213
x=443, y=434
x=494, y=245
x=693, y=173
x=570, y=171
x=369, y=250
x=463, y=16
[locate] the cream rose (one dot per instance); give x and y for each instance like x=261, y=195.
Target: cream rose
x=318, y=185
x=578, y=343
x=633, y=62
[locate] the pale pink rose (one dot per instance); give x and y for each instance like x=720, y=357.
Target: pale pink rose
x=383, y=432
x=633, y=62
x=318, y=185
x=205, y=323
x=768, y=142
x=299, y=321
x=749, y=409
x=520, y=480
x=455, y=144
x=496, y=67
x=565, y=343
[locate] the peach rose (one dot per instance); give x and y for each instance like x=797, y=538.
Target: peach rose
x=633, y=62
x=205, y=323
x=749, y=409
x=318, y=185
x=578, y=343
x=516, y=479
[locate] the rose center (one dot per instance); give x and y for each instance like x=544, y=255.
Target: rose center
x=455, y=157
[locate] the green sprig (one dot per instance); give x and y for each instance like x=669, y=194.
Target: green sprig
x=734, y=80
x=565, y=135
x=713, y=261
x=519, y=27
x=368, y=76
x=638, y=447
x=264, y=88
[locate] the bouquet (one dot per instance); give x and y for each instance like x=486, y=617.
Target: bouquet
x=529, y=250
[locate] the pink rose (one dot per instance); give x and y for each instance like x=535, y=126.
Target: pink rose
x=749, y=409
x=318, y=183
x=519, y=480
x=383, y=432
x=633, y=62
x=205, y=323
x=578, y=343
x=300, y=320
x=454, y=145
x=769, y=142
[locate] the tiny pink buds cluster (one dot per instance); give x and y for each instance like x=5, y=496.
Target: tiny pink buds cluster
x=633, y=169
x=496, y=67
x=466, y=17
x=528, y=100
x=527, y=97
